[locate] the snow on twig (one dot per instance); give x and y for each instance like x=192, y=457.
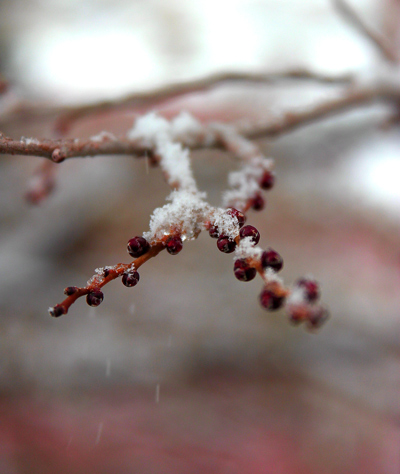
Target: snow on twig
x=187, y=213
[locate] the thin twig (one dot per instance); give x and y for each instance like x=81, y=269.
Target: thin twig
x=42, y=182
x=292, y=120
x=100, y=279
x=61, y=149
x=378, y=39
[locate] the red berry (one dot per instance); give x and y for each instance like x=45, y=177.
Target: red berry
x=70, y=290
x=250, y=231
x=130, y=279
x=225, y=244
x=295, y=319
x=271, y=259
x=258, y=202
x=95, y=297
x=57, y=311
x=311, y=288
x=318, y=318
x=241, y=218
x=138, y=246
x=269, y=300
x=213, y=231
x=174, y=245
x=267, y=180
x=243, y=271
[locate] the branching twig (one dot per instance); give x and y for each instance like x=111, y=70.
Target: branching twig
x=42, y=182
x=379, y=40
x=101, y=278
x=188, y=214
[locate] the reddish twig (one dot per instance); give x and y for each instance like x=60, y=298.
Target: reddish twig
x=101, y=278
x=60, y=149
x=188, y=214
x=42, y=182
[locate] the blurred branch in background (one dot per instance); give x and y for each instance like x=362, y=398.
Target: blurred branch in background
x=3, y=85
x=144, y=100
x=379, y=40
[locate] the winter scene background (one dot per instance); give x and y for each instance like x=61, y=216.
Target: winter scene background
x=186, y=372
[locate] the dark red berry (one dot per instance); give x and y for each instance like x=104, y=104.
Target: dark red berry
x=269, y=300
x=250, y=231
x=258, y=202
x=241, y=218
x=271, y=259
x=95, y=297
x=138, y=246
x=174, y=245
x=57, y=310
x=311, y=288
x=318, y=318
x=213, y=231
x=295, y=319
x=225, y=244
x=70, y=290
x=243, y=271
x=267, y=180
x=130, y=279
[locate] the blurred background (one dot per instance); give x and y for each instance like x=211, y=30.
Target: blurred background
x=185, y=373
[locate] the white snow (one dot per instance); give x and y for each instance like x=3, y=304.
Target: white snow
x=271, y=275
x=30, y=141
x=247, y=249
x=245, y=182
x=150, y=129
x=103, y=136
x=176, y=164
x=227, y=225
x=165, y=138
x=297, y=296
x=185, y=214
x=186, y=129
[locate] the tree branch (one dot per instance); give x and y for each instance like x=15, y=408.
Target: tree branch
x=379, y=40
x=61, y=149
x=106, y=144
x=187, y=214
x=291, y=120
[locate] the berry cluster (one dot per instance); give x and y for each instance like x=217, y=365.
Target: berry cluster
x=188, y=214
x=303, y=306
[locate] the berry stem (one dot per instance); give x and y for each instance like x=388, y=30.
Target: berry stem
x=112, y=273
